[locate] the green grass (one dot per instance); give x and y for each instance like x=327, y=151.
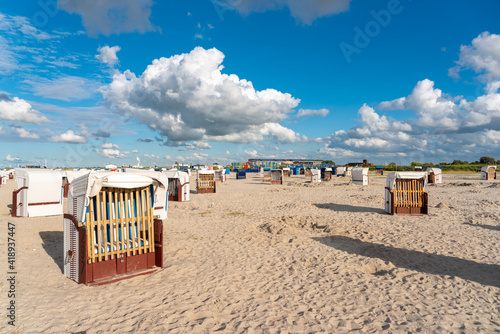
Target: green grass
x=204, y=213
x=235, y=213
x=445, y=168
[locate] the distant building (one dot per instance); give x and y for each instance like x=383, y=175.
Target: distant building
x=285, y=162
x=358, y=164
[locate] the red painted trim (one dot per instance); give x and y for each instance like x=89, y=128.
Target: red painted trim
x=14, y=201
x=122, y=277
x=179, y=192
x=47, y=203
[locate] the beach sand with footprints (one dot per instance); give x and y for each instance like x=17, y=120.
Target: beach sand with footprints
x=295, y=258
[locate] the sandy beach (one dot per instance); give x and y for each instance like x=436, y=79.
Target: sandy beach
x=296, y=258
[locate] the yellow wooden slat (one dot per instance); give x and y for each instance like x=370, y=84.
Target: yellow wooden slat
x=151, y=231
x=145, y=210
x=142, y=233
x=117, y=224
x=134, y=222
x=98, y=224
x=89, y=237
x=128, y=200
x=91, y=229
x=148, y=219
x=121, y=211
x=104, y=241
x=111, y=224
x=137, y=228
x=151, y=236
x=410, y=192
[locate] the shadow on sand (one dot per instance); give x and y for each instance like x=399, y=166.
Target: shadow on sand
x=488, y=227
x=486, y=274
x=349, y=208
x=53, y=243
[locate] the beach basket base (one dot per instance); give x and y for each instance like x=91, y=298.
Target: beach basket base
x=111, y=270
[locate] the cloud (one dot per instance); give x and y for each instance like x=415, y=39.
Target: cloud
x=25, y=134
x=10, y=158
x=19, y=110
x=111, y=16
x=367, y=143
x=68, y=137
x=135, y=151
x=186, y=97
x=482, y=56
x=312, y=112
x=8, y=60
x=110, y=145
x=196, y=146
x=110, y=153
x=4, y=96
x=64, y=88
x=146, y=140
x=272, y=131
x=490, y=137
x=101, y=134
x=24, y=48
x=431, y=124
x=440, y=123
x=14, y=24
x=107, y=55
x=198, y=36
x=336, y=152
x=303, y=11
x=252, y=154
x=438, y=112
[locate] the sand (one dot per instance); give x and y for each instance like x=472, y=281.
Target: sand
x=296, y=258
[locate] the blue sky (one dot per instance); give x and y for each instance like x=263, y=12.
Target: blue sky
x=87, y=83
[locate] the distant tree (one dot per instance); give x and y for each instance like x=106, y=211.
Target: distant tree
x=487, y=160
x=328, y=162
x=414, y=163
x=459, y=162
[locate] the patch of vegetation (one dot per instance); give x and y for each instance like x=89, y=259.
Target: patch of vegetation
x=235, y=213
x=204, y=213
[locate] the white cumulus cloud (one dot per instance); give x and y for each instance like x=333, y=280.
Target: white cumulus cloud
x=482, y=56
x=187, y=97
x=312, y=112
x=110, y=145
x=68, y=137
x=10, y=158
x=107, y=55
x=19, y=110
x=197, y=145
x=23, y=133
x=437, y=111
x=110, y=153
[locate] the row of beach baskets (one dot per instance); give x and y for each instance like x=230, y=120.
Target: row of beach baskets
x=113, y=227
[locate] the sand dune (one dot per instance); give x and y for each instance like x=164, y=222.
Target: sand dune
x=296, y=258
